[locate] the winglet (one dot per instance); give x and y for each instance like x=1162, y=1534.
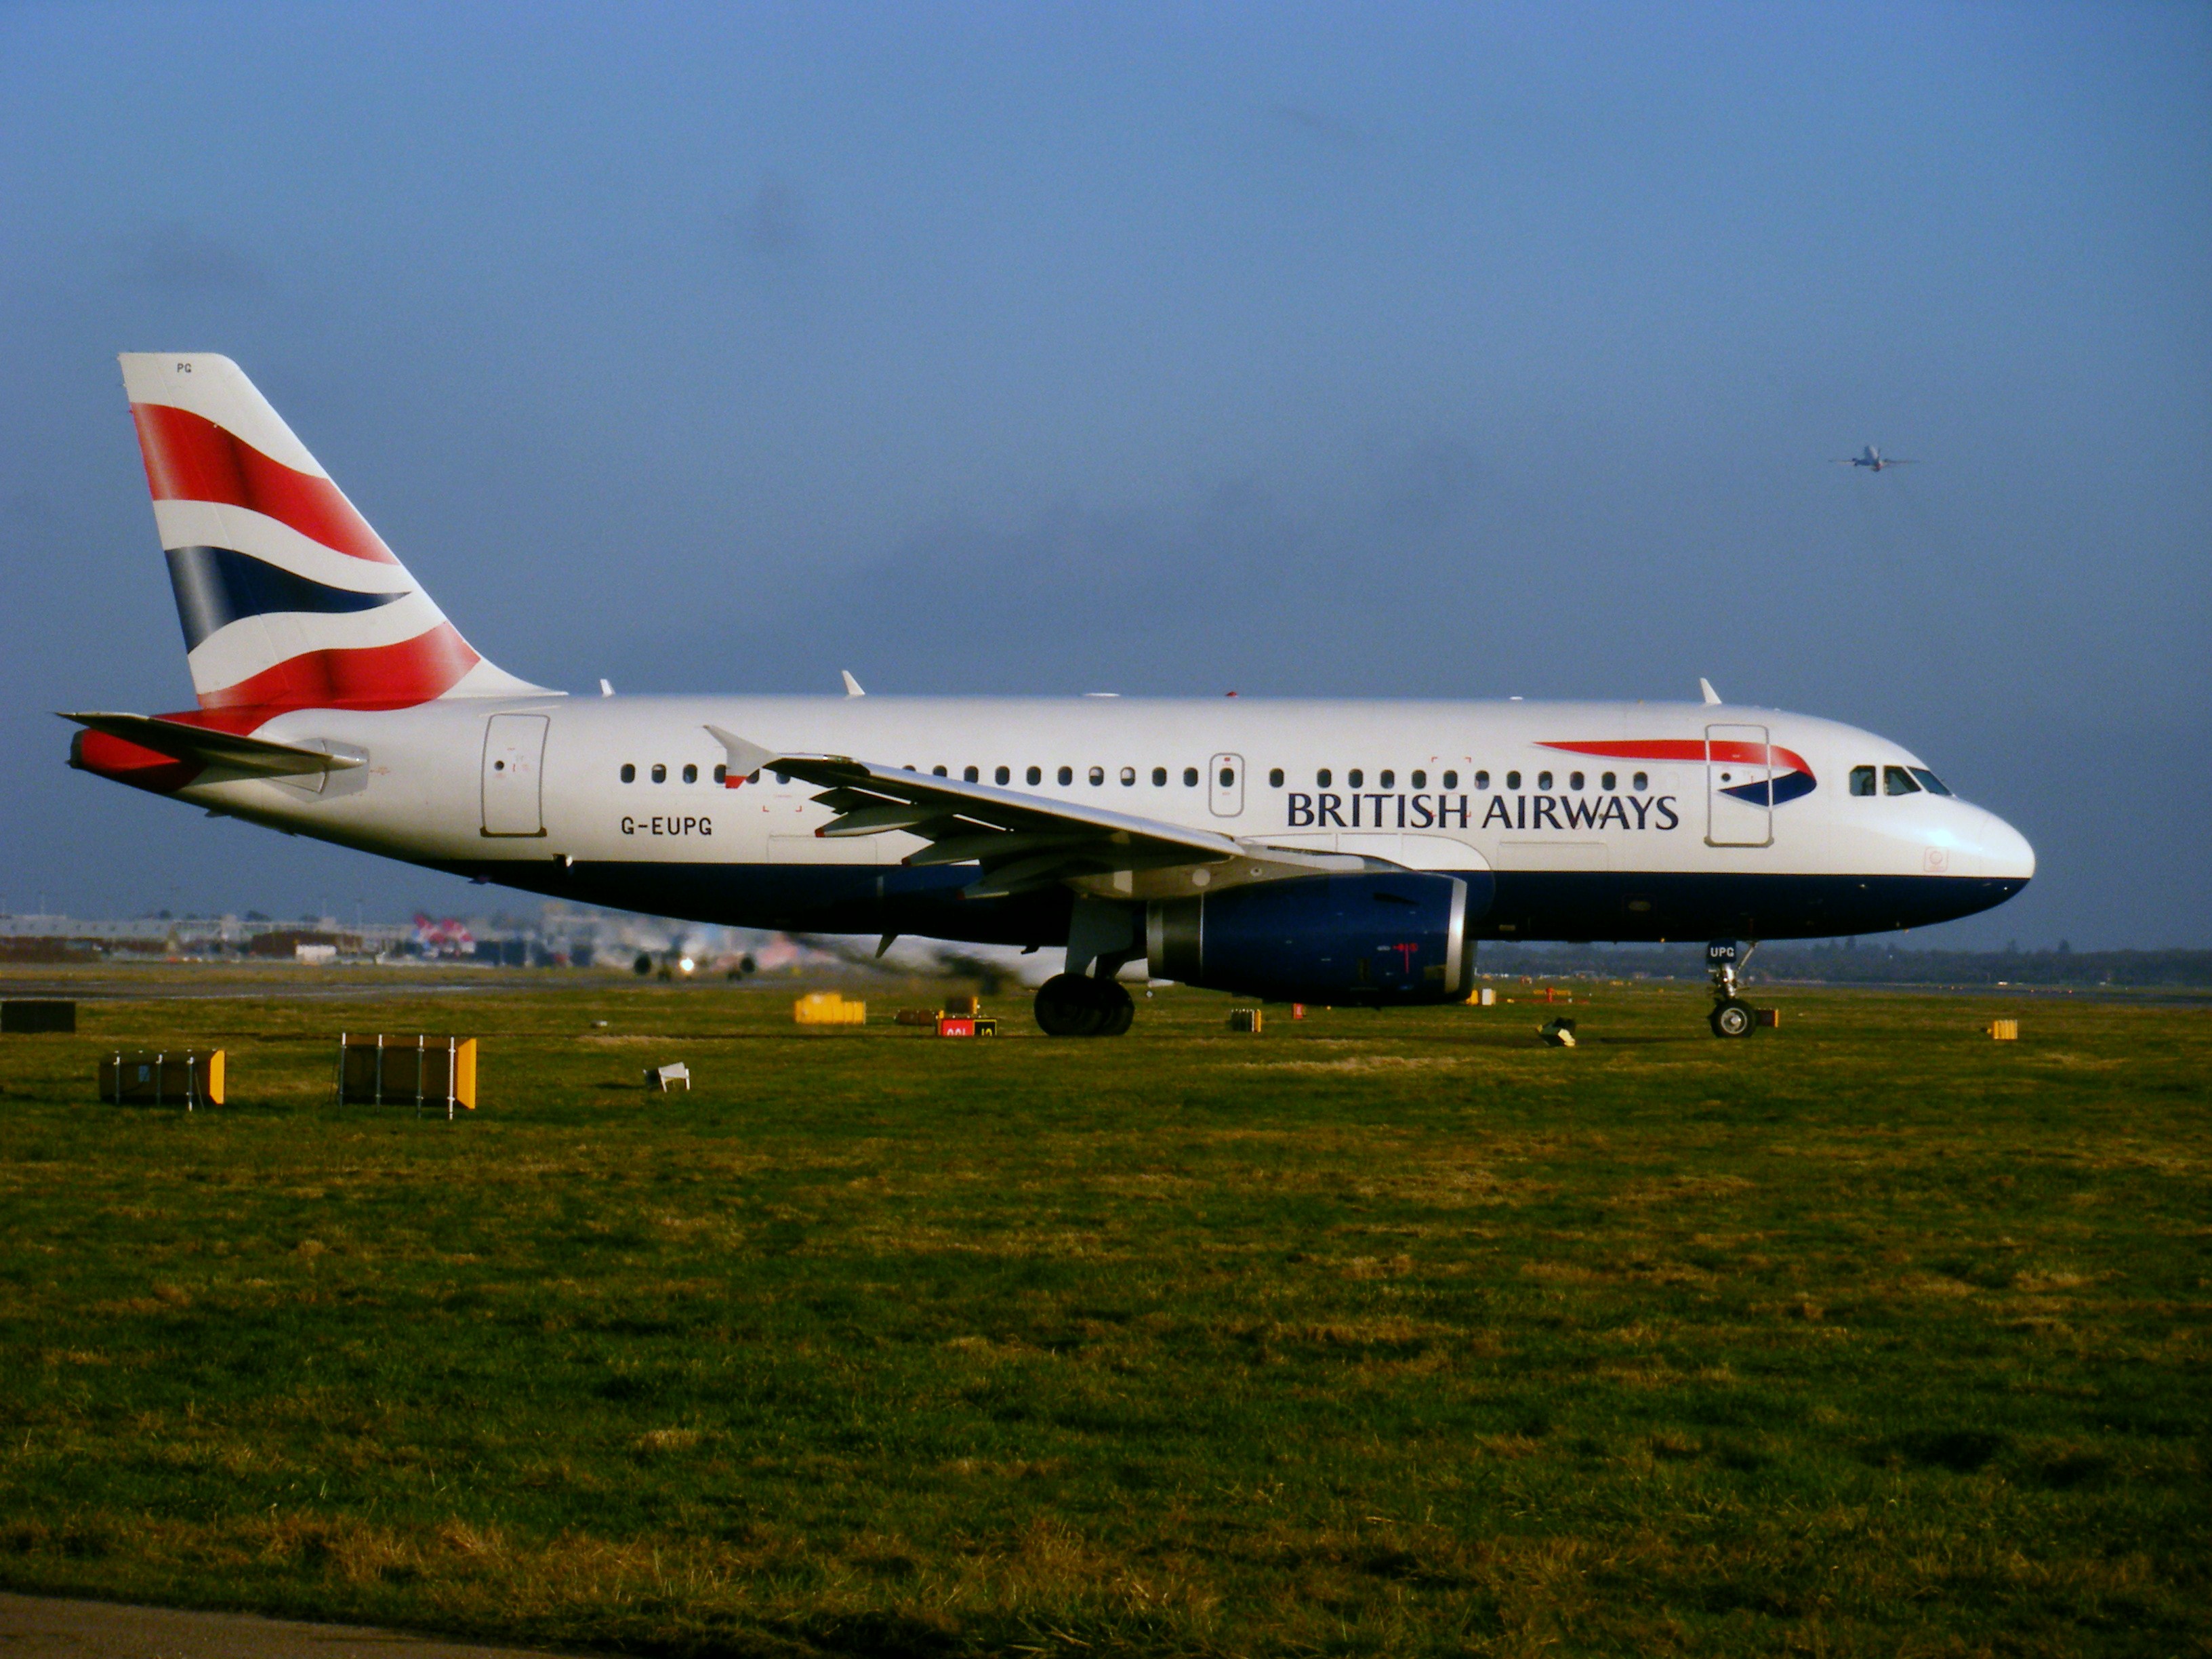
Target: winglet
x=852, y=686
x=606, y=689
x=1706, y=686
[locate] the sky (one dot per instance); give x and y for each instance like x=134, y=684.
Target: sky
x=1359, y=351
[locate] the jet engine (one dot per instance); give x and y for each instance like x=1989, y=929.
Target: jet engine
x=1376, y=937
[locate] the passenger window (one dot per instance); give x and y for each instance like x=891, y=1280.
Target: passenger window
x=1228, y=777
x=660, y=773
x=1420, y=779
x=1543, y=780
x=690, y=772
x=1896, y=781
x=1355, y=777
x=1002, y=776
x=1097, y=776
x=1067, y=776
x=628, y=772
x=1574, y=781
x=722, y=775
x=1322, y=777
x=1929, y=781
x=1159, y=777
x=1275, y=778
x=782, y=777
x=1190, y=777
x=1863, y=781
x=1606, y=782
x=1512, y=779
x=1388, y=780
x=938, y=771
x=970, y=774
x=1034, y=774
x=1129, y=777
x=1642, y=782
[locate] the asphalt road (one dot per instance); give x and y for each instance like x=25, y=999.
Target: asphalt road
x=36, y=1628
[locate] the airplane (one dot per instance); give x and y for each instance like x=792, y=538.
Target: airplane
x=1872, y=458
x=1326, y=852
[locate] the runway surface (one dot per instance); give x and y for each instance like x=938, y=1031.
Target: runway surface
x=39, y=1627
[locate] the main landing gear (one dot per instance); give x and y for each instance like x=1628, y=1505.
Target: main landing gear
x=1076, y=1005
x=1731, y=1016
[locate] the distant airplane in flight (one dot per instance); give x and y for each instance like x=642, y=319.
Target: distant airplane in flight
x=1296, y=850
x=1872, y=458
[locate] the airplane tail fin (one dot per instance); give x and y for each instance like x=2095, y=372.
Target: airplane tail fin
x=287, y=598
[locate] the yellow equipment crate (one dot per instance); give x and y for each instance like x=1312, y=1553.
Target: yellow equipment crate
x=416, y=1071
x=177, y=1077
x=828, y=1008
x=2005, y=1030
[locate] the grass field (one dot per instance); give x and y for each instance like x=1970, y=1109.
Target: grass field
x=1380, y=1332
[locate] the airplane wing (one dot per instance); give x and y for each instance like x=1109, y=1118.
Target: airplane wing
x=1024, y=841
x=256, y=757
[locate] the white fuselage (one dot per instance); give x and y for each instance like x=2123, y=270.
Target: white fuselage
x=1455, y=786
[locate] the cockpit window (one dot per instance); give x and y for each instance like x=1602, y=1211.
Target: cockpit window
x=1929, y=781
x=1863, y=781
x=1896, y=781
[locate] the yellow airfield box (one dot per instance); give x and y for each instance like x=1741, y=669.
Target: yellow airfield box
x=417, y=1070
x=173, y=1077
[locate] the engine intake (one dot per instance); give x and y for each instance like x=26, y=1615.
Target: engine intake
x=1376, y=937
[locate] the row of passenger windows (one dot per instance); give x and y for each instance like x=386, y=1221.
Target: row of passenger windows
x=1356, y=778
x=1897, y=780
x=1418, y=780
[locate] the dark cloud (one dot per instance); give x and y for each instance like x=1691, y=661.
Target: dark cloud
x=179, y=259
x=1314, y=123
x=774, y=222
x=1220, y=585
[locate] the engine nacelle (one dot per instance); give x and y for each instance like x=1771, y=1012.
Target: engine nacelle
x=1376, y=937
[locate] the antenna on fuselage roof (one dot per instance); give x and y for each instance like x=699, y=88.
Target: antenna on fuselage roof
x=1706, y=686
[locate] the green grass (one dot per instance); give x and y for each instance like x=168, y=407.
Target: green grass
x=1382, y=1333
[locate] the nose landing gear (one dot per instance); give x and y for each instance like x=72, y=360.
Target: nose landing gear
x=1731, y=1016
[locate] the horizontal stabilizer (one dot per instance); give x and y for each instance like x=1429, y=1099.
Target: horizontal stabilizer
x=257, y=757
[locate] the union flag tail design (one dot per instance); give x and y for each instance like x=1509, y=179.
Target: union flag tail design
x=288, y=598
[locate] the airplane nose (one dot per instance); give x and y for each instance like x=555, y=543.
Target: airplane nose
x=2004, y=851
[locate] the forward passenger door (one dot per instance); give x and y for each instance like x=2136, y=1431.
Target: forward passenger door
x=1739, y=786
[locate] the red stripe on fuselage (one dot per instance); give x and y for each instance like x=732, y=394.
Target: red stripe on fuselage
x=190, y=458
x=1689, y=749
x=396, y=676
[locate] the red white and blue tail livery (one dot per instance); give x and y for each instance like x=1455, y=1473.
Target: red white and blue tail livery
x=1328, y=852
x=287, y=598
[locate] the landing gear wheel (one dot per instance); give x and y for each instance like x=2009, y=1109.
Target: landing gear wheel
x=1071, y=1004
x=1732, y=1017
x=1119, y=1013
